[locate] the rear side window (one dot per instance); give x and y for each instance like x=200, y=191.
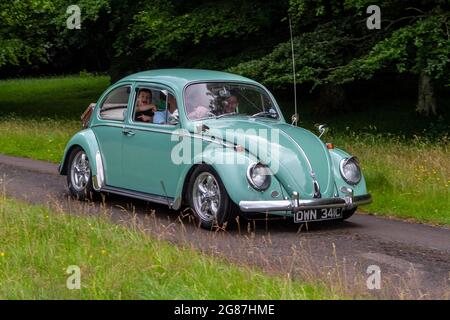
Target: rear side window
x=115, y=104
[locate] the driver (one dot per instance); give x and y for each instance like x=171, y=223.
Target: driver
x=231, y=104
x=145, y=110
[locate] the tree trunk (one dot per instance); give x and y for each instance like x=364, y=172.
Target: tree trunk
x=426, y=101
x=332, y=98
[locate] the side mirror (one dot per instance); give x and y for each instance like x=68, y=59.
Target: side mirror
x=322, y=129
x=174, y=118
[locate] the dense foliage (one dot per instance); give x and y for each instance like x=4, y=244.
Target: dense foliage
x=333, y=45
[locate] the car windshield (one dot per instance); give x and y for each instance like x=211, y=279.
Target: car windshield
x=225, y=99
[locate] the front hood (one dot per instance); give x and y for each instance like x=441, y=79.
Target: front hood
x=297, y=157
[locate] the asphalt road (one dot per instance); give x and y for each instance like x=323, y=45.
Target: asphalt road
x=414, y=259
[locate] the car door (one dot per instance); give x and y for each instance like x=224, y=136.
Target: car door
x=109, y=131
x=147, y=163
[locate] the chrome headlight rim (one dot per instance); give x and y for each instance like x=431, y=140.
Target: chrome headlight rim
x=343, y=163
x=255, y=186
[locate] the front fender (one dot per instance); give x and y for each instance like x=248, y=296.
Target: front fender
x=88, y=142
x=359, y=189
x=231, y=166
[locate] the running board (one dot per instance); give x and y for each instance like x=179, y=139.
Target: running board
x=139, y=195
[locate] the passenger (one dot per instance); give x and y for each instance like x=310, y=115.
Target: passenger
x=199, y=112
x=162, y=117
x=145, y=109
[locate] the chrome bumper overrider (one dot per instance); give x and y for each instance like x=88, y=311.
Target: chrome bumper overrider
x=296, y=204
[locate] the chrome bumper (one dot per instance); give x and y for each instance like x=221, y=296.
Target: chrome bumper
x=296, y=204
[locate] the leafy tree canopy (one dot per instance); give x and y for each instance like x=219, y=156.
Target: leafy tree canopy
x=333, y=44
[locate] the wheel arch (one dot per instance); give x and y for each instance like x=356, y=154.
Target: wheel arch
x=87, y=141
x=233, y=177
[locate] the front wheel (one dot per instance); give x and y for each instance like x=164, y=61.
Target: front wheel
x=209, y=199
x=79, y=177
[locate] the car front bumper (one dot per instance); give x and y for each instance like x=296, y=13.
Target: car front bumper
x=294, y=205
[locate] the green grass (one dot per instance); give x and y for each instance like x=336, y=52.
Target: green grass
x=404, y=156
x=56, y=98
x=38, y=116
x=37, y=245
x=43, y=139
x=408, y=178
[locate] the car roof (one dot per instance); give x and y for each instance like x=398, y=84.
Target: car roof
x=180, y=77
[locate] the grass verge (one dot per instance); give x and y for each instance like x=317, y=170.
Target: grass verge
x=40, y=139
x=37, y=245
x=409, y=179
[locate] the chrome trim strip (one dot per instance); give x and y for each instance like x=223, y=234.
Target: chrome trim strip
x=206, y=138
x=107, y=124
x=295, y=205
x=139, y=195
x=98, y=180
x=311, y=172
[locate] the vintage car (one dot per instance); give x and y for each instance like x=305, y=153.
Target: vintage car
x=213, y=141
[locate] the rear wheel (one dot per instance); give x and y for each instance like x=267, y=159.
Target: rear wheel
x=348, y=213
x=209, y=199
x=79, y=177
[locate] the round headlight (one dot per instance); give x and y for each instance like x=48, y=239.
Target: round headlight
x=258, y=175
x=350, y=170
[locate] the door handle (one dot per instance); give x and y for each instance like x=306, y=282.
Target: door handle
x=128, y=132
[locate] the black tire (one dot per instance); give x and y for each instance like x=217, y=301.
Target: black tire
x=348, y=213
x=226, y=210
x=80, y=190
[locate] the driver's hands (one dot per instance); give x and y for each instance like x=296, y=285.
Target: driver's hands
x=145, y=118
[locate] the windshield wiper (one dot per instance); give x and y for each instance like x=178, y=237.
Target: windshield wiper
x=265, y=114
x=227, y=114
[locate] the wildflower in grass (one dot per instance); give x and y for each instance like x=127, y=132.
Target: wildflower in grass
x=2, y=254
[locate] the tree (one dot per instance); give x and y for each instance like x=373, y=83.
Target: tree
x=199, y=34
x=334, y=47
x=34, y=34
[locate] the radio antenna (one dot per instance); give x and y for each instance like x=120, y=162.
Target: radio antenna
x=295, y=116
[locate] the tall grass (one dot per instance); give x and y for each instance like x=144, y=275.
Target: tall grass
x=41, y=139
x=408, y=178
x=37, y=245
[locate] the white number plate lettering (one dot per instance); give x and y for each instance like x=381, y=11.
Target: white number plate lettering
x=317, y=214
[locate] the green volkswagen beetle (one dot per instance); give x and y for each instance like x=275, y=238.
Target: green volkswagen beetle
x=213, y=141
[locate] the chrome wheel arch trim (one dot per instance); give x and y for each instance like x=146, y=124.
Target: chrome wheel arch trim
x=98, y=181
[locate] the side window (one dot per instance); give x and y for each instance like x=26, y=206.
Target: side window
x=150, y=105
x=115, y=104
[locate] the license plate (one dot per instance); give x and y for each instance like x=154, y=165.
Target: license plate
x=317, y=214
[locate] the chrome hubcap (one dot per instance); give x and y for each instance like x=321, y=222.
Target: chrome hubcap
x=206, y=195
x=80, y=171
